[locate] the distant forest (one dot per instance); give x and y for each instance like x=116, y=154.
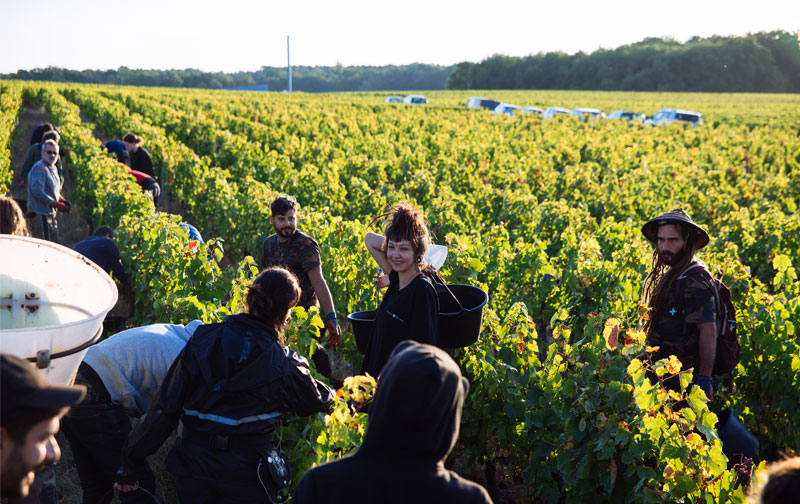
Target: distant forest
x=758, y=62
x=304, y=78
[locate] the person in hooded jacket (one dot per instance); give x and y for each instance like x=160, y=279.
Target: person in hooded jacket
x=412, y=427
x=228, y=388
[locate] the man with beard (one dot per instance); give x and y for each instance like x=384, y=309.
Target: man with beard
x=299, y=253
x=682, y=303
x=30, y=411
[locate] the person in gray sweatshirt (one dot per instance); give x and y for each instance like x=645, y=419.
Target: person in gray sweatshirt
x=122, y=374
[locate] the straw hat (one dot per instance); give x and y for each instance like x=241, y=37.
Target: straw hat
x=650, y=229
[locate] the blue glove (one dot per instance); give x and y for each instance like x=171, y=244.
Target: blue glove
x=704, y=382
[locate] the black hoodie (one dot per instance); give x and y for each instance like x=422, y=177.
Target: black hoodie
x=412, y=427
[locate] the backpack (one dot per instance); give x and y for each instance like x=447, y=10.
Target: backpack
x=728, y=350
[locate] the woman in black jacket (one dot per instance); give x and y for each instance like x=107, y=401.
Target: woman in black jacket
x=228, y=387
x=140, y=159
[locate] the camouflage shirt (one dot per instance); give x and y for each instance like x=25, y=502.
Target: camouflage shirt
x=677, y=332
x=299, y=255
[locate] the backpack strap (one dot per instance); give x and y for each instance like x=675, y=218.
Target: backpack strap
x=693, y=269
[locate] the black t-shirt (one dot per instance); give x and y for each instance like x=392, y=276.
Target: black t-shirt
x=676, y=332
x=411, y=313
x=141, y=161
x=299, y=255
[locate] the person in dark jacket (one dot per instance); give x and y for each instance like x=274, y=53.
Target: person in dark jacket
x=410, y=307
x=228, y=388
x=117, y=147
x=412, y=427
x=140, y=159
x=40, y=130
x=101, y=250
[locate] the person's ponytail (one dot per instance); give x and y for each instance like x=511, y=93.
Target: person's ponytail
x=273, y=293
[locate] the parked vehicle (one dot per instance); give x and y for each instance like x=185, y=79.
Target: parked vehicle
x=393, y=99
x=586, y=113
x=415, y=99
x=667, y=116
x=506, y=108
x=554, y=111
x=489, y=104
x=628, y=116
x=474, y=101
x=531, y=110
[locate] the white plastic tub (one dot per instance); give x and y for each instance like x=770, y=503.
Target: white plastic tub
x=53, y=302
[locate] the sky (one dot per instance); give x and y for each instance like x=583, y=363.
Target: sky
x=244, y=35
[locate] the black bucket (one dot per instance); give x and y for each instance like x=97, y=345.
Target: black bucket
x=460, y=314
x=362, y=327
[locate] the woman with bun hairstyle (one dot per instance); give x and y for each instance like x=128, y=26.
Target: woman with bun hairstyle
x=139, y=157
x=410, y=308
x=228, y=387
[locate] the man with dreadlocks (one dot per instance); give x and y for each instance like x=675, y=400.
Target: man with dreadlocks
x=683, y=314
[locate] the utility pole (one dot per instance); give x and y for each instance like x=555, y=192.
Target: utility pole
x=288, y=67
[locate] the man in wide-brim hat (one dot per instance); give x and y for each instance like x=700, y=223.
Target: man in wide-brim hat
x=677, y=216
x=682, y=306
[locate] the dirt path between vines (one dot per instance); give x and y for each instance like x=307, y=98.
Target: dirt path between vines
x=72, y=228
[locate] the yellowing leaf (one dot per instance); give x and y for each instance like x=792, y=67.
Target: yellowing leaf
x=476, y=264
x=634, y=337
x=611, y=333
x=673, y=365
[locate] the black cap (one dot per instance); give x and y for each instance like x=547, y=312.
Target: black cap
x=22, y=387
x=650, y=229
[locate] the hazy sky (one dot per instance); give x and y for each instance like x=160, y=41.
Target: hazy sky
x=232, y=35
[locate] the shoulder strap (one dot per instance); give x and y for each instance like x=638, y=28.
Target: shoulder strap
x=692, y=268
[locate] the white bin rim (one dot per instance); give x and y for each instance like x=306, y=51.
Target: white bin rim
x=44, y=248
x=78, y=290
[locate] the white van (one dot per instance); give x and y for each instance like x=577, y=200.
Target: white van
x=584, y=113
x=666, y=116
x=415, y=99
x=554, y=111
x=506, y=108
x=474, y=101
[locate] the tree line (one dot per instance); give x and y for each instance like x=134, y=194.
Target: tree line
x=760, y=62
x=304, y=78
x=757, y=62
